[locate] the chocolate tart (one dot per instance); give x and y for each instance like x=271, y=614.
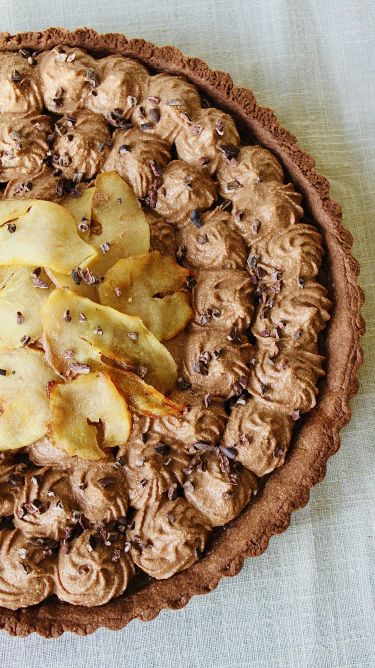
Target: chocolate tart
x=285, y=485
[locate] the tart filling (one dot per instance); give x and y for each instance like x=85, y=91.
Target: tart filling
x=145, y=390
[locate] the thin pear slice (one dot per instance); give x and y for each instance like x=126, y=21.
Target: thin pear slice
x=44, y=236
x=76, y=330
x=24, y=414
x=21, y=297
x=119, y=228
x=88, y=414
x=149, y=286
x=80, y=208
x=143, y=398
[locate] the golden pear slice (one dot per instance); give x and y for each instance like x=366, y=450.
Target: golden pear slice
x=24, y=414
x=21, y=297
x=80, y=208
x=143, y=398
x=119, y=227
x=76, y=330
x=45, y=236
x=149, y=286
x=87, y=414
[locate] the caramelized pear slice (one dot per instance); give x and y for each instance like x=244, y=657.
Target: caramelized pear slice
x=80, y=208
x=88, y=414
x=24, y=405
x=76, y=330
x=119, y=228
x=21, y=297
x=149, y=286
x=46, y=236
x=141, y=397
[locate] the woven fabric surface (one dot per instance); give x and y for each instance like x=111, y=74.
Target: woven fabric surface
x=308, y=602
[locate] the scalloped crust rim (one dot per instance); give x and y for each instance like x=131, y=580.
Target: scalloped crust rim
x=287, y=489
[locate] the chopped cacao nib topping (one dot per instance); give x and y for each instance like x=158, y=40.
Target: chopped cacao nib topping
x=106, y=482
x=3, y=372
x=234, y=335
x=91, y=77
x=133, y=336
x=146, y=126
x=183, y=384
x=76, y=368
x=154, y=114
x=239, y=386
x=59, y=97
x=188, y=486
x=219, y=127
x=11, y=227
x=252, y=261
x=234, y=185
x=196, y=218
x=202, y=239
x=76, y=276
x=230, y=150
x=92, y=543
x=25, y=340
x=124, y=148
x=67, y=316
x=301, y=283
x=16, y=76
x=20, y=318
x=162, y=449
x=296, y=415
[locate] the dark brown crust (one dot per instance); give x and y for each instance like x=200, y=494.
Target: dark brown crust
x=288, y=488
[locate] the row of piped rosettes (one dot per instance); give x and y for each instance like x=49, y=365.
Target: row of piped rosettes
x=93, y=98
x=71, y=533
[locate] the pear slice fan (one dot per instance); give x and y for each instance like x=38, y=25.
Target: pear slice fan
x=84, y=307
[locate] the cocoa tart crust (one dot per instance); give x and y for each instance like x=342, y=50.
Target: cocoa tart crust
x=287, y=489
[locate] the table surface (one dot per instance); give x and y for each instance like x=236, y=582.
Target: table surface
x=309, y=600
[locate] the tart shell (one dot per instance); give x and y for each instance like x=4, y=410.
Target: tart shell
x=288, y=488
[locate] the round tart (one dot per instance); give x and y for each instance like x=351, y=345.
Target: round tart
x=246, y=312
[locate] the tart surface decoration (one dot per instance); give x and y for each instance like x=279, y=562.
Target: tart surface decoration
x=202, y=330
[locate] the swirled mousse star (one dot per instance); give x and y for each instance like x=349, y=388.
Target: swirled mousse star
x=94, y=569
x=219, y=486
x=213, y=242
x=67, y=77
x=296, y=315
x=81, y=145
x=121, y=82
x=222, y=299
x=169, y=105
x=252, y=165
x=296, y=250
x=268, y=208
x=209, y=140
x=201, y=423
x=46, y=505
x=260, y=434
x=154, y=468
x=217, y=363
x=140, y=159
x=287, y=380
x=167, y=536
x=101, y=491
x=27, y=570
x=23, y=145
x=184, y=189
x=20, y=88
